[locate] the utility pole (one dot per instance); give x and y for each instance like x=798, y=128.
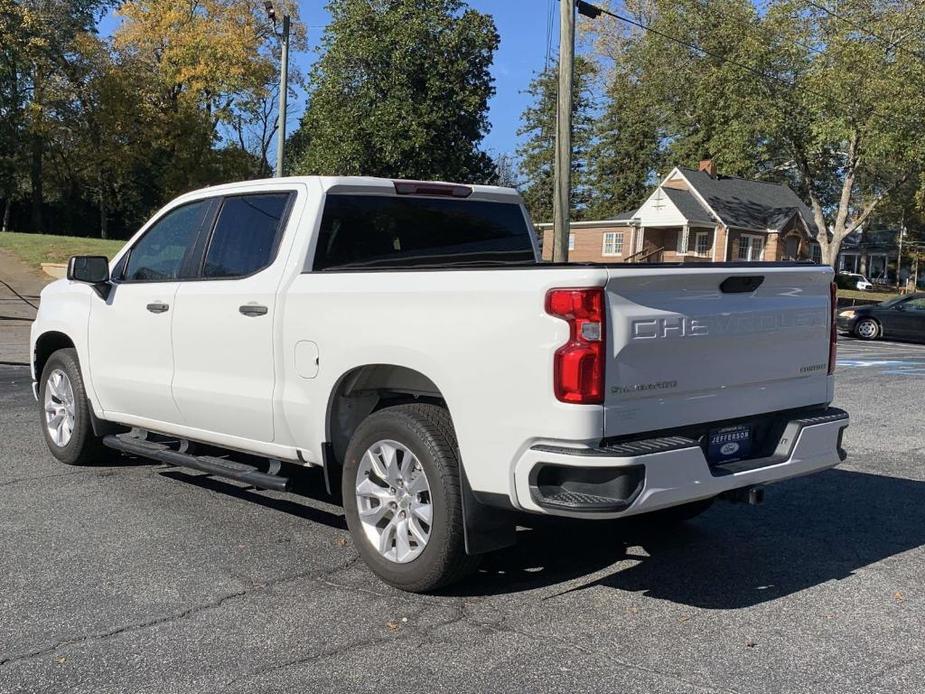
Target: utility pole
x=283, y=94
x=563, y=168
x=899, y=255
x=283, y=85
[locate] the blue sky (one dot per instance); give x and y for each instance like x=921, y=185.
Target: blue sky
x=522, y=26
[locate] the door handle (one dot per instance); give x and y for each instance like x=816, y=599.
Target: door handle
x=158, y=307
x=253, y=310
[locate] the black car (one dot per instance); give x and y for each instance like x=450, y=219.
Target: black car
x=902, y=318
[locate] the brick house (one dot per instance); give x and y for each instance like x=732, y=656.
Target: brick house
x=696, y=215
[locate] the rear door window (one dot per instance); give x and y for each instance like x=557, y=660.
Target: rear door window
x=370, y=231
x=246, y=235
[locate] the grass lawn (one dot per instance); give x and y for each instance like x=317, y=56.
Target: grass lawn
x=35, y=249
x=867, y=296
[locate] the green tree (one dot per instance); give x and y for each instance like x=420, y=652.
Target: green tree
x=830, y=104
x=538, y=127
x=852, y=140
x=14, y=44
x=626, y=154
x=400, y=91
x=37, y=48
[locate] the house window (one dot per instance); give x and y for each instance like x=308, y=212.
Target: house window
x=849, y=263
x=750, y=247
x=571, y=242
x=702, y=242
x=816, y=253
x=613, y=243
x=878, y=267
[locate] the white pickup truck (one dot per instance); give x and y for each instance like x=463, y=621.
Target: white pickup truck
x=405, y=337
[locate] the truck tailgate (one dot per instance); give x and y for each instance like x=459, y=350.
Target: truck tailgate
x=684, y=351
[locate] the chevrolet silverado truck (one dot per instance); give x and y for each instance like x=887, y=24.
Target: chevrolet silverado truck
x=405, y=338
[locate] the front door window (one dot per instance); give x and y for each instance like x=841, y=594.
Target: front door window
x=159, y=255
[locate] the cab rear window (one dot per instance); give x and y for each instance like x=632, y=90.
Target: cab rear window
x=377, y=232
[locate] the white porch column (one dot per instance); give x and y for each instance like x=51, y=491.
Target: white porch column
x=640, y=238
x=684, y=239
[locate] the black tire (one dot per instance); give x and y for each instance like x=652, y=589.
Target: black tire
x=676, y=515
x=427, y=431
x=82, y=447
x=877, y=329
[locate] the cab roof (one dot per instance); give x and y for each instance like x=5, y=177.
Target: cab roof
x=368, y=185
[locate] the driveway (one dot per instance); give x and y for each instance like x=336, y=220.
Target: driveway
x=15, y=313
x=131, y=577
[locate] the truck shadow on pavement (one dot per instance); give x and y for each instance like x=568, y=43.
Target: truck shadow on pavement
x=283, y=503
x=810, y=531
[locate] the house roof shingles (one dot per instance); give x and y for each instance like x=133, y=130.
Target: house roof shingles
x=749, y=204
x=688, y=205
x=625, y=216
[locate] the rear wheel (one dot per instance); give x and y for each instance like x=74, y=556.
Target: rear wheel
x=867, y=329
x=65, y=411
x=402, y=498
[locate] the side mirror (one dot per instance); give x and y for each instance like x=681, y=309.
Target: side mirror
x=91, y=269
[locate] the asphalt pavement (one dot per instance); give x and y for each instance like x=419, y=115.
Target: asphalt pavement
x=136, y=577
x=19, y=295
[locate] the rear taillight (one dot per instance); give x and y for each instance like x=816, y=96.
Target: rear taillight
x=833, y=331
x=578, y=365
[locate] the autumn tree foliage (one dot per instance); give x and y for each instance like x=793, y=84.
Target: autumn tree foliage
x=99, y=132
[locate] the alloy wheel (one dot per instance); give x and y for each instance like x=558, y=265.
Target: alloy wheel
x=394, y=501
x=60, y=410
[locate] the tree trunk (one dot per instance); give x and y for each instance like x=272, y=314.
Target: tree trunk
x=35, y=176
x=7, y=204
x=35, y=169
x=104, y=215
x=829, y=253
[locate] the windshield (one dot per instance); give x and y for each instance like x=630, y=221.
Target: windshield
x=892, y=302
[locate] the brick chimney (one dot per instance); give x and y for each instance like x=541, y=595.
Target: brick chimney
x=708, y=166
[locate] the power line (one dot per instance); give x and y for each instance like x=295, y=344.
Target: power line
x=550, y=15
x=24, y=299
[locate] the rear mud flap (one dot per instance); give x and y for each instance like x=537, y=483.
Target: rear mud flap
x=488, y=524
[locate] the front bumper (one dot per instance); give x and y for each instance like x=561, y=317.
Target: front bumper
x=845, y=325
x=647, y=475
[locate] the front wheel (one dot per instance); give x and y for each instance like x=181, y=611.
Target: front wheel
x=65, y=411
x=402, y=498
x=867, y=329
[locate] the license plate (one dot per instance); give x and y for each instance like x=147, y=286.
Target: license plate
x=728, y=444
